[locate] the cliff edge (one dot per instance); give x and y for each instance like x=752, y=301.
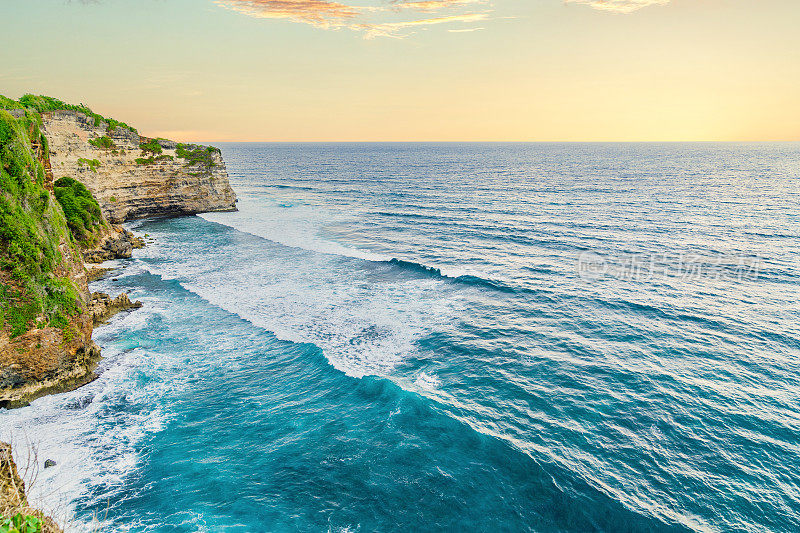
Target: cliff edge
x=133, y=176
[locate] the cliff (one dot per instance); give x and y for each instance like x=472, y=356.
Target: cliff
x=106, y=173
x=45, y=329
x=133, y=176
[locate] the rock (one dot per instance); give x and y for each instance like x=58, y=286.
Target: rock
x=118, y=244
x=49, y=463
x=103, y=307
x=167, y=144
x=125, y=189
x=95, y=273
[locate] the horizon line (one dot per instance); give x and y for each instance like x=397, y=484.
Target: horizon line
x=782, y=141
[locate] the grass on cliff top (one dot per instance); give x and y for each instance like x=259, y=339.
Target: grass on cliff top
x=43, y=104
x=35, y=289
x=8, y=103
x=197, y=155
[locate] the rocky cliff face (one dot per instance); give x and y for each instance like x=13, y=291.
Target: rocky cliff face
x=50, y=358
x=50, y=226
x=45, y=329
x=157, y=184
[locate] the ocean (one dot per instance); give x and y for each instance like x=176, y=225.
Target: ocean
x=450, y=337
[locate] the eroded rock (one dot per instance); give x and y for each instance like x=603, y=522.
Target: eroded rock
x=103, y=307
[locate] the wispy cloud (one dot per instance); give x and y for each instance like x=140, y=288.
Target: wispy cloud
x=392, y=29
x=433, y=5
x=371, y=20
x=391, y=18
x=620, y=6
x=466, y=30
x=320, y=13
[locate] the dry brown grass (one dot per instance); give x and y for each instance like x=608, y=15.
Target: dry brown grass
x=12, y=487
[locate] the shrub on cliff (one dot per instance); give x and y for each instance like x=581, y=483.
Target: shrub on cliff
x=153, y=160
x=31, y=230
x=20, y=523
x=197, y=155
x=80, y=208
x=103, y=142
x=91, y=163
x=151, y=147
x=21, y=246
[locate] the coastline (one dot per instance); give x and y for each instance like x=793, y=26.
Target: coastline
x=117, y=244
x=108, y=180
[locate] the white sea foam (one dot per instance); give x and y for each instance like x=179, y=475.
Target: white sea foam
x=292, y=225
x=363, y=328
x=91, y=447
x=427, y=381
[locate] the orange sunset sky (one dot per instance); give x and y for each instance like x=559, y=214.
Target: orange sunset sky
x=416, y=70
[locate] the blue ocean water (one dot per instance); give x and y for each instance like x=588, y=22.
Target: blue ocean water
x=451, y=337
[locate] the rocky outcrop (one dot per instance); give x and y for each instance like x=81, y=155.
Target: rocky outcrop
x=12, y=488
x=103, y=306
x=163, y=185
x=13, y=500
x=45, y=361
x=118, y=243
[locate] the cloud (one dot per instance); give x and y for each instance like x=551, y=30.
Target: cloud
x=432, y=5
x=466, y=30
x=620, y=6
x=389, y=18
x=393, y=29
x=373, y=21
x=320, y=13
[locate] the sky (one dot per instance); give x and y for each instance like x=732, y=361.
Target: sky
x=416, y=70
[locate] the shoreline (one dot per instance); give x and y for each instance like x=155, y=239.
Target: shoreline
x=101, y=308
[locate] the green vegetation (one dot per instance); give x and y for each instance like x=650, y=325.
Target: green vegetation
x=152, y=160
x=20, y=523
x=151, y=147
x=197, y=155
x=103, y=142
x=113, y=199
x=47, y=103
x=35, y=287
x=8, y=103
x=91, y=163
x=80, y=208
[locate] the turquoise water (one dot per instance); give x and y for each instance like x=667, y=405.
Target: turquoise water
x=452, y=338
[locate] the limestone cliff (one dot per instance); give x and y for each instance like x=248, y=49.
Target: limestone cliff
x=130, y=181
x=67, y=175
